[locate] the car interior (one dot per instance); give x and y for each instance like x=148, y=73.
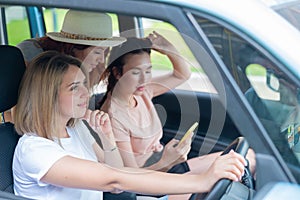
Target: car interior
x=219, y=128
x=179, y=105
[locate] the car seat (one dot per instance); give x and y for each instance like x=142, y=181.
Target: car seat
x=12, y=68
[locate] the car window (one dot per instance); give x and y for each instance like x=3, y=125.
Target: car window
x=198, y=80
x=16, y=22
x=53, y=18
x=161, y=64
x=272, y=95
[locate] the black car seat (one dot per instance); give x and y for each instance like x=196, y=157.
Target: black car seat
x=12, y=67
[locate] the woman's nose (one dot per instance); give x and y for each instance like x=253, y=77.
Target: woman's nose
x=142, y=78
x=85, y=92
x=101, y=58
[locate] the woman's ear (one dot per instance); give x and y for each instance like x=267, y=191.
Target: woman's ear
x=116, y=73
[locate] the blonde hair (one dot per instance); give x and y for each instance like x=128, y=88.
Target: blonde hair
x=37, y=108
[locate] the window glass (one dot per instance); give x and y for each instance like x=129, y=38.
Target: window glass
x=54, y=18
x=198, y=81
x=16, y=22
x=272, y=95
x=230, y=47
x=1, y=118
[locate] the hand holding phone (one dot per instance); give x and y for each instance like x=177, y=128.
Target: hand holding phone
x=191, y=129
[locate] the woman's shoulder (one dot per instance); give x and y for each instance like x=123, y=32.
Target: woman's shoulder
x=36, y=146
x=33, y=140
x=35, y=155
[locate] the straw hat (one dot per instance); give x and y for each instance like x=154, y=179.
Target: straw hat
x=87, y=28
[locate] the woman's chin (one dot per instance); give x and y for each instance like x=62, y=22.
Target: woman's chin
x=138, y=93
x=79, y=114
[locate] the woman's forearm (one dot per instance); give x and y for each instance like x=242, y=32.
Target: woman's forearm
x=113, y=158
x=142, y=181
x=96, y=176
x=159, y=166
x=109, y=155
x=100, y=177
x=180, y=67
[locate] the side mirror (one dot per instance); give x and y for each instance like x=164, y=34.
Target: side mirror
x=272, y=80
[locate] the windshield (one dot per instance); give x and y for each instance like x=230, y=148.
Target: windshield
x=290, y=10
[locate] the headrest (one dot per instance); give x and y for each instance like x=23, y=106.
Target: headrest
x=12, y=68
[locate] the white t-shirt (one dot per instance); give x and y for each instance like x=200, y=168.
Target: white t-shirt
x=35, y=155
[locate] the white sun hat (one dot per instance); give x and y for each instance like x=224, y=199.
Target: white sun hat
x=87, y=28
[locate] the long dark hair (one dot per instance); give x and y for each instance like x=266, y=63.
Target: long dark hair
x=117, y=59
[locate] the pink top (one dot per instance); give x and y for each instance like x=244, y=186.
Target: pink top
x=139, y=125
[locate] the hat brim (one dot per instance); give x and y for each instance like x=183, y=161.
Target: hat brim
x=109, y=42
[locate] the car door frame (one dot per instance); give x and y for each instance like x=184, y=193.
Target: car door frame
x=253, y=129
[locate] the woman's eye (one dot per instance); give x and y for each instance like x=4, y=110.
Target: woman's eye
x=85, y=83
x=135, y=72
x=74, y=88
x=148, y=72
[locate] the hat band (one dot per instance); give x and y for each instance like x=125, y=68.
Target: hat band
x=79, y=37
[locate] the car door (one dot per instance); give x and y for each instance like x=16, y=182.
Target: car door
x=226, y=61
x=270, y=89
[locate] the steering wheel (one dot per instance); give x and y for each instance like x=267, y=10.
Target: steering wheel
x=241, y=146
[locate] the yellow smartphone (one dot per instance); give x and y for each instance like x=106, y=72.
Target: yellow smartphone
x=191, y=129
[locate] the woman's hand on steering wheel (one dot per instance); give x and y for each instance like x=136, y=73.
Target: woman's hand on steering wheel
x=241, y=147
x=229, y=166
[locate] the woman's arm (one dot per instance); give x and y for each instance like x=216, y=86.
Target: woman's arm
x=127, y=154
x=77, y=173
x=129, y=159
x=110, y=157
x=100, y=123
x=181, y=71
x=207, y=161
x=171, y=156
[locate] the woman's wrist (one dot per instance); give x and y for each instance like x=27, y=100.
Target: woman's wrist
x=108, y=138
x=109, y=143
x=110, y=149
x=163, y=165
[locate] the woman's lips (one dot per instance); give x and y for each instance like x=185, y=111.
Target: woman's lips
x=90, y=67
x=141, y=88
x=83, y=105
